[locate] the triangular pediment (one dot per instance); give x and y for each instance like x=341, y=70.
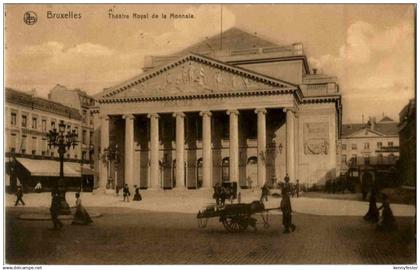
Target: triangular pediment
x=365, y=132
x=195, y=74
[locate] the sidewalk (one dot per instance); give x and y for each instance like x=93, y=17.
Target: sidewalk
x=191, y=201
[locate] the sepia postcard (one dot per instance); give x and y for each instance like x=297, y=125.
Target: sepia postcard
x=209, y=134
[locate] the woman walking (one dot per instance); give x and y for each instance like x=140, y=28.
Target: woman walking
x=81, y=217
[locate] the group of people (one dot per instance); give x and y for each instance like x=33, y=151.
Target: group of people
x=221, y=193
x=81, y=216
x=385, y=222
x=127, y=194
x=339, y=185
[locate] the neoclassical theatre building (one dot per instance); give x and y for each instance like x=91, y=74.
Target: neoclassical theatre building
x=234, y=107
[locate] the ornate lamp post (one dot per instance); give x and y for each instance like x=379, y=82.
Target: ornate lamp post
x=111, y=155
x=63, y=141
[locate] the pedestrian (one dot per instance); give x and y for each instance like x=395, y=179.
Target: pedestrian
x=126, y=193
x=286, y=178
x=55, y=210
x=286, y=209
x=38, y=187
x=137, y=195
x=372, y=215
x=223, y=195
x=216, y=193
x=81, y=216
x=117, y=190
x=19, y=195
x=388, y=222
x=264, y=193
x=297, y=188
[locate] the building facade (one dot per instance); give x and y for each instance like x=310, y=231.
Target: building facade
x=370, y=152
x=407, y=134
x=248, y=112
x=79, y=100
x=28, y=120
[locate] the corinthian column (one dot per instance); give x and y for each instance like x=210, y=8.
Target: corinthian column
x=261, y=145
x=233, y=146
x=290, y=153
x=129, y=149
x=154, y=150
x=180, y=173
x=206, y=148
x=103, y=171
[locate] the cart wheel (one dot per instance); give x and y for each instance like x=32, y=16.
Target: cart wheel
x=235, y=224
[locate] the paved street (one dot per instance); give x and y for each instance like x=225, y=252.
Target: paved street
x=132, y=236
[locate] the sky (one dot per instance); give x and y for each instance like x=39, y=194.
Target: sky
x=370, y=48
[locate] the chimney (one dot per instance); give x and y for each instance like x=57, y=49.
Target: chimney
x=372, y=123
x=314, y=70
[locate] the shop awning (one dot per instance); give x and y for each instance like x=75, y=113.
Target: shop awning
x=82, y=169
x=49, y=167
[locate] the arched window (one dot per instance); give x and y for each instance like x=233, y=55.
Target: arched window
x=252, y=160
x=225, y=169
x=199, y=172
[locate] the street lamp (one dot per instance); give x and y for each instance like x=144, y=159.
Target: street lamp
x=111, y=155
x=63, y=141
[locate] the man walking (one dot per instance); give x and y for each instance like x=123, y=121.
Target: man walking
x=126, y=193
x=264, y=193
x=286, y=209
x=19, y=195
x=55, y=210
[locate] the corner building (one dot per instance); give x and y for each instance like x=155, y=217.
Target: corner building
x=248, y=112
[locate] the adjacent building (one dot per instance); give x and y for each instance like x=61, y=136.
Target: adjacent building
x=370, y=150
x=407, y=135
x=234, y=107
x=28, y=157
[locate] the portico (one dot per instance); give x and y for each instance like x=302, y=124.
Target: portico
x=196, y=121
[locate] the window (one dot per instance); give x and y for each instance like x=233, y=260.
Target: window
x=84, y=136
x=23, y=145
x=33, y=145
x=84, y=116
x=354, y=159
x=379, y=145
x=34, y=123
x=13, y=142
x=44, y=146
x=366, y=146
x=390, y=144
x=84, y=155
x=343, y=159
x=24, y=118
x=200, y=172
x=91, y=138
x=91, y=118
x=354, y=146
x=225, y=170
x=13, y=119
x=44, y=125
x=344, y=146
x=52, y=124
x=366, y=159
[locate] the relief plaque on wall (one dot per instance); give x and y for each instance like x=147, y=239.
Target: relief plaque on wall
x=315, y=138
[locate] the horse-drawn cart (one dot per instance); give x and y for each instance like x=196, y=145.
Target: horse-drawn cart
x=235, y=217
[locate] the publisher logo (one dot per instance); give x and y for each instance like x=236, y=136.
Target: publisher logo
x=30, y=17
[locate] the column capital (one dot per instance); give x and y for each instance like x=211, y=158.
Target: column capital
x=235, y=112
x=104, y=117
x=260, y=110
x=207, y=113
x=178, y=114
x=293, y=110
x=153, y=115
x=128, y=116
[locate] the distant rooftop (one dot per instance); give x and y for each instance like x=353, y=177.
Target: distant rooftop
x=33, y=102
x=385, y=126
x=230, y=46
